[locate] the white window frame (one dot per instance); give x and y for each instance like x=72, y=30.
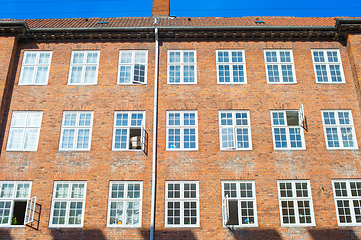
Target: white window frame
x=142, y=127
x=84, y=65
x=327, y=64
x=36, y=66
x=182, y=199
x=77, y=127
x=235, y=127
x=231, y=64
x=68, y=200
x=24, y=133
x=339, y=126
x=132, y=65
x=240, y=199
x=288, y=139
x=125, y=200
x=348, y=198
x=295, y=200
x=181, y=127
x=13, y=199
x=279, y=64
x=182, y=64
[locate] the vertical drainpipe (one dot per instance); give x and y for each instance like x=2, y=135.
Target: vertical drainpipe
x=155, y=115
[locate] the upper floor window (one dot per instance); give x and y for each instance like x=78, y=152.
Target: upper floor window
x=347, y=195
x=239, y=204
x=35, y=68
x=84, y=68
x=181, y=204
x=328, y=66
x=339, y=129
x=235, y=130
x=128, y=130
x=125, y=204
x=24, y=131
x=68, y=204
x=182, y=130
x=76, y=131
x=16, y=206
x=231, y=67
x=132, y=67
x=295, y=201
x=182, y=67
x=279, y=66
x=286, y=130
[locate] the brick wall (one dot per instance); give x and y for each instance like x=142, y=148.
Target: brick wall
x=208, y=165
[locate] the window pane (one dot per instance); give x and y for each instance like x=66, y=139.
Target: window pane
x=69, y=119
x=132, y=213
x=92, y=57
x=90, y=74
x=85, y=119
x=278, y=118
x=61, y=190
x=75, y=213
x=22, y=190
x=5, y=207
x=77, y=190
x=174, y=138
x=7, y=190
x=242, y=138
x=238, y=75
x=27, y=75
x=75, y=74
x=174, y=74
x=41, y=75
x=116, y=213
x=30, y=58
x=125, y=73
x=137, y=119
x=19, y=119
x=117, y=190
x=125, y=57
x=121, y=119
x=174, y=57
x=34, y=119
x=223, y=56
x=189, y=73
x=31, y=139
x=16, y=138
x=120, y=138
x=59, y=211
x=227, y=137
x=68, y=138
x=83, y=138
x=224, y=73
x=78, y=57
x=237, y=57
x=273, y=73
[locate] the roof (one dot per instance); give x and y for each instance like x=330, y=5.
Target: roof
x=179, y=22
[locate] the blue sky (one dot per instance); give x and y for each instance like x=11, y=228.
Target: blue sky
x=24, y=9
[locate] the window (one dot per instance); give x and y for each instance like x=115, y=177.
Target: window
x=35, y=68
x=182, y=67
x=132, y=67
x=125, y=204
x=182, y=130
x=235, y=130
x=287, y=133
x=295, y=201
x=182, y=204
x=24, y=131
x=347, y=195
x=128, y=131
x=231, y=67
x=16, y=206
x=84, y=68
x=279, y=66
x=339, y=129
x=67, y=206
x=328, y=66
x=76, y=131
x=239, y=204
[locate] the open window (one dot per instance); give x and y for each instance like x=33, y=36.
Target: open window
x=129, y=132
x=16, y=207
x=231, y=211
x=132, y=68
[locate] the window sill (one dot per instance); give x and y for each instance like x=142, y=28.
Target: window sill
x=67, y=226
x=12, y=226
x=280, y=83
x=289, y=149
x=298, y=225
x=23, y=84
x=184, y=226
x=241, y=226
x=236, y=149
x=131, y=84
x=232, y=83
x=181, y=150
x=19, y=150
x=127, y=150
x=81, y=84
x=341, y=149
x=116, y=226
x=74, y=150
x=193, y=83
x=330, y=82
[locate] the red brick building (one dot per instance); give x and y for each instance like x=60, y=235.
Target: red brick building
x=180, y=128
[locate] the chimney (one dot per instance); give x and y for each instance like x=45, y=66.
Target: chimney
x=160, y=8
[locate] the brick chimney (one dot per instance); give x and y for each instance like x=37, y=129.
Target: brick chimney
x=160, y=8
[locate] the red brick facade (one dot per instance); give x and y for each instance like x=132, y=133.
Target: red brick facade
x=209, y=165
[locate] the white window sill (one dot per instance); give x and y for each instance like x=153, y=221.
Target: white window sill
x=235, y=149
x=241, y=226
x=73, y=150
x=342, y=149
x=116, y=226
x=127, y=150
x=183, y=226
x=181, y=150
x=132, y=84
x=66, y=226
x=32, y=84
x=12, y=226
x=330, y=82
x=81, y=84
x=232, y=83
x=20, y=150
x=298, y=225
x=193, y=83
x=289, y=149
x=280, y=83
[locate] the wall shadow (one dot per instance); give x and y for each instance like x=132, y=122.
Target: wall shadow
x=169, y=234
x=5, y=234
x=329, y=234
x=79, y=234
x=255, y=233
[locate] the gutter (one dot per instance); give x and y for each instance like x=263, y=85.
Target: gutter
x=155, y=127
